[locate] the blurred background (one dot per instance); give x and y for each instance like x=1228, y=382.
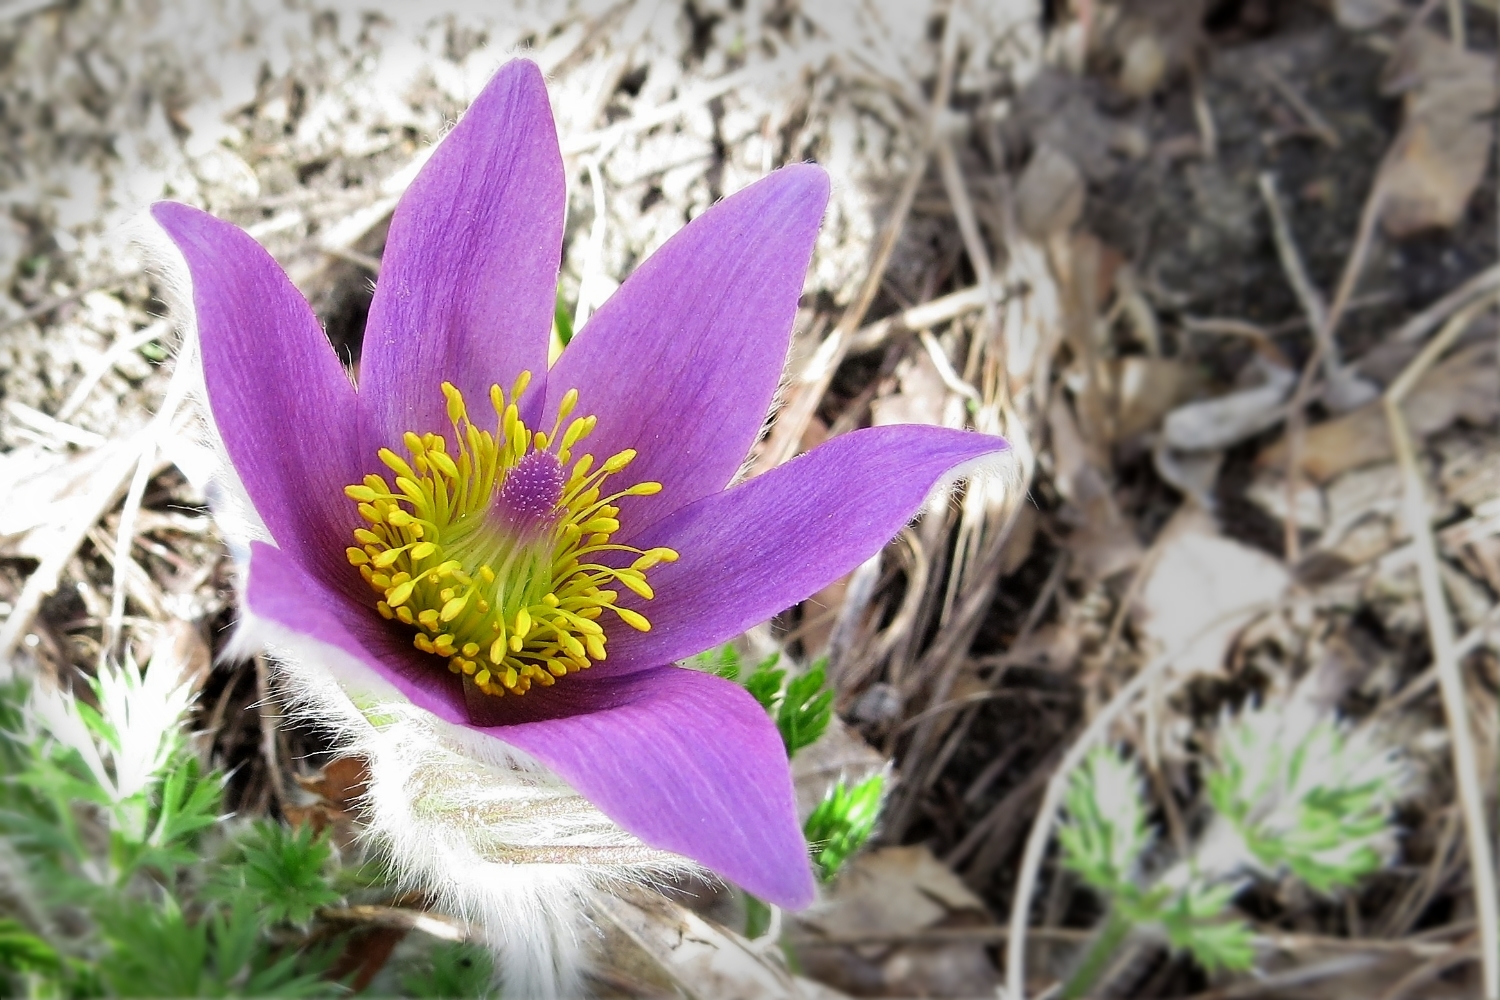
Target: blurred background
x=1204, y=704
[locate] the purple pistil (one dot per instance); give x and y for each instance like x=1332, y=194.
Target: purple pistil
x=526, y=504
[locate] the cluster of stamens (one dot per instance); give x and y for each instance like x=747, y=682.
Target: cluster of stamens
x=492, y=551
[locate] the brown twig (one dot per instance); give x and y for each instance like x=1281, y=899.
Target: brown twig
x=1309, y=114
x=438, y=925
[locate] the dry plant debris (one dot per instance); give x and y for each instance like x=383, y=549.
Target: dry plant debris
x=1223, y=272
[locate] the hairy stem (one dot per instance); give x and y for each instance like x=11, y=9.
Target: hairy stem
x=1096, y=959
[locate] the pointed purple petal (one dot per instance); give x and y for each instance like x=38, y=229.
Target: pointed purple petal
x=282, y=593
x=689, y=763
x=762, y=546
x=681, y=363
x=281, y=400
x=468, y=280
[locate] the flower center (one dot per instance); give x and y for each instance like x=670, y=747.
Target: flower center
x=491, y=551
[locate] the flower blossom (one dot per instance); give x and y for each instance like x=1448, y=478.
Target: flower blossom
x=525, y=552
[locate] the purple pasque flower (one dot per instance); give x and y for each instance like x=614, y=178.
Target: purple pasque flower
x=453, y=524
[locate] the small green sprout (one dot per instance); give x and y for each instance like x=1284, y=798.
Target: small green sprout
x=842, y=822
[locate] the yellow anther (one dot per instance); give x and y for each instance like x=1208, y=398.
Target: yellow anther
x=403, y=614
x=575, y=432
x=617, y=462
x=482, y=678
x=568, y=403
x=523, y=623
x=550, y=600
x=367, y=537
x=652, y=558
x=486, y=574
x=398, y=518
x=636, y=582
x=539, y=440
x=357, y=557
x=385, y=610
x=644, y=490
x=595, y=645
x=510, y=677
x=444, y=463
x=604, y=525
x=516, y=644
x=422, y=550
x=471, y=649
x=455, y=402
x=428, y=618
x=361, y=493
x=633, y=619
x=396, y=464
x=519, y=388
x=388, y=558
x=398, y=594
x=455, y=607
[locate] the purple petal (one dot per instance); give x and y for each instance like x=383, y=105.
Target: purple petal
x=468, y=280
x=283, y=593
x=282, y=402
x=762, y=546
x=689, y=763
x=681, y=363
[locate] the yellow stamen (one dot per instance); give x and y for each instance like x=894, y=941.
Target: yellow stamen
x=508, y=605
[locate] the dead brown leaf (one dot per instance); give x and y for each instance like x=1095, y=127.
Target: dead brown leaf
x=1201, y=589
x=1049, y=195
x=1443, y=147
x=890, y=893
x=1466, y=385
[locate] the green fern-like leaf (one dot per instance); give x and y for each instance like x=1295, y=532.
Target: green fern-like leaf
x=283, y=870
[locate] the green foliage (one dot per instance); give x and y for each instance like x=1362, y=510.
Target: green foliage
x=1105, y=832
x=1306, y=797
x=723, y=662
x=452, y=970
x=805, y=709
x=121, y=861
x=282, y=870
x=562, y=320
x=842, y=822
x=157, y=951
x=765, y=682
x=1194, y=923
x=757, y=917
x=1103, y=840
x=1293, y=794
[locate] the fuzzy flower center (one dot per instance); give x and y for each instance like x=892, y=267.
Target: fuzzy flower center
x=491, y=551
